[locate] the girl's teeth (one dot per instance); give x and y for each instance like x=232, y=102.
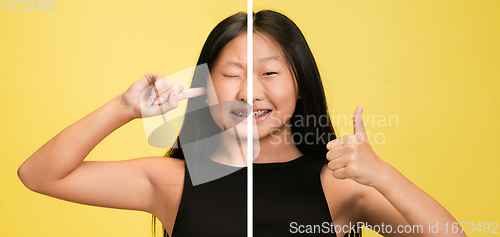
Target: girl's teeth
x=255, y=113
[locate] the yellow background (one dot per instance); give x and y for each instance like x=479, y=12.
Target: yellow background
x=433, y=64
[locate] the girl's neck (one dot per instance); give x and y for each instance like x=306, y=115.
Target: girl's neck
x=277, y=147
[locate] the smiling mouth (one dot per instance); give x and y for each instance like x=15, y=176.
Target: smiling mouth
x=256, y=114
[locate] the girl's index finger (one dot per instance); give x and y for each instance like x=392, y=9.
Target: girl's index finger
x=190, y=93
x=336, y=142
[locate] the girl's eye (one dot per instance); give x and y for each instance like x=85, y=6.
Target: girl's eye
x=269, y=73
x=230, y=76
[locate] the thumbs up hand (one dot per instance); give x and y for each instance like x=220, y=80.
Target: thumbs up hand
x=352, y=156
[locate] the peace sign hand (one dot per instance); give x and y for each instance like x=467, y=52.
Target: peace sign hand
x=352, y=156
x=164, y=96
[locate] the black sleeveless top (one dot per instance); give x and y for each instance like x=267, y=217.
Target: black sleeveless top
x=288, y=200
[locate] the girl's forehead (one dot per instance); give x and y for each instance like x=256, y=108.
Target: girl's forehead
x=265, y=50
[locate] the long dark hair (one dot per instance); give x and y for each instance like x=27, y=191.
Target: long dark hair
x=311, y=108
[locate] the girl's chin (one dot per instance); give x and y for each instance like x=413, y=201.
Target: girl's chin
x=260, y=133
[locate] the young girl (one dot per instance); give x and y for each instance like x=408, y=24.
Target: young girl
x=306, y=180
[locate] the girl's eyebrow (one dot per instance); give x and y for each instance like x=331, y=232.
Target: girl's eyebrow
x=235, y=63
x=265, y=59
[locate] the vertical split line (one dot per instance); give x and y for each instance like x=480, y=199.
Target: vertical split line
x=249, y=157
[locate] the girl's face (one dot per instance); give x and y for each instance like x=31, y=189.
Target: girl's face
x=275, y=89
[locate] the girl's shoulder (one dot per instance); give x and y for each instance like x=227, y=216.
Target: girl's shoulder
x=165, y=170
x=167, y=176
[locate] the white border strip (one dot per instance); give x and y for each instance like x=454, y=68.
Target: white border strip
x=250, y=118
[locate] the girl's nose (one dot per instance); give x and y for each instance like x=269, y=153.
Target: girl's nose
x=258, y=93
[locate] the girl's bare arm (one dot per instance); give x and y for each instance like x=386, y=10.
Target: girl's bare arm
x=58, y=168
x=386, y=196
